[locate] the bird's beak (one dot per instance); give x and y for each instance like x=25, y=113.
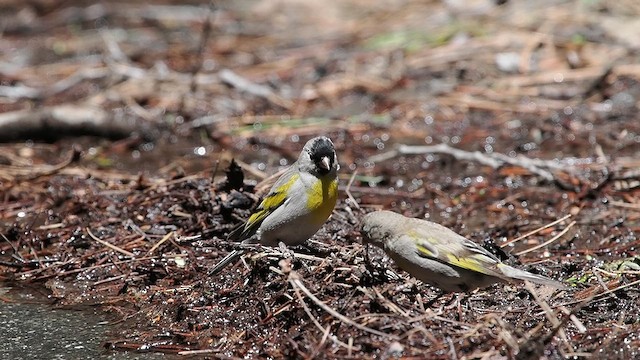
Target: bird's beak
x=325, y=163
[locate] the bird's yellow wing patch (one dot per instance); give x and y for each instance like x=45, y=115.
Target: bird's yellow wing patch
x=274, y=199
x=469, y=263
x=454, y=254
x=322, y=197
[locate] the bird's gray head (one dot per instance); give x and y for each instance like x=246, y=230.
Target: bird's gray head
x=319, y=157
x=376, y=227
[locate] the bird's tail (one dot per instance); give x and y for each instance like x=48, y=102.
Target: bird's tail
x=514, y=273
x=231, y=257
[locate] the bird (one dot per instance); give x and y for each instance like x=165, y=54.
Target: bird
x=298, y=204
x=438, y=256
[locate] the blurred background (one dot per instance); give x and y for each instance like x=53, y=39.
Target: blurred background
x=187, y=83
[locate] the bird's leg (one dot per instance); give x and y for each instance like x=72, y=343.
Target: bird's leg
x=370, y=266
x=379, y=273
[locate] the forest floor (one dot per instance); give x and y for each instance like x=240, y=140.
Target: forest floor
x=513, y=123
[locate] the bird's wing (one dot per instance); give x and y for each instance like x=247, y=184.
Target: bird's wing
x=277, y=196
x=441, y=244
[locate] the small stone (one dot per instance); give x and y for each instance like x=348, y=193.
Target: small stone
x=395, y=350
x=508, y=62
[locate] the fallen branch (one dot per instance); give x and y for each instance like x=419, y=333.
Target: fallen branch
x=495, y=160
x=53, y=122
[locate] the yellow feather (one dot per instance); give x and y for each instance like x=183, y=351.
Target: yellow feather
x=469, y=264
x=321, y=198
x=472, y=262
x=272, y=201
x=424, y=251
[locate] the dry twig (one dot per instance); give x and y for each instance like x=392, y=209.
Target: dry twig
x=495, y=160
x=296, y=282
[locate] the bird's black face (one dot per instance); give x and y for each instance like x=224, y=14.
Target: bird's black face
x=323, y=155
